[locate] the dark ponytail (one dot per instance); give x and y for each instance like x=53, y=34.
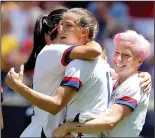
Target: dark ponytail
x=38, y=43
x=44, y=24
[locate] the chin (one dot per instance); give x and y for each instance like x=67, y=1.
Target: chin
x=67, y=43
x=72, y=43
x=118, y=70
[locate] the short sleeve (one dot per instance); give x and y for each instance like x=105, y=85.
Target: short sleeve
x=129, y=96
x=57, y=53
x=65, y=57
x=75, y=74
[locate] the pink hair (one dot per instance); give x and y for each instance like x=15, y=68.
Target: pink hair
x=141, y=45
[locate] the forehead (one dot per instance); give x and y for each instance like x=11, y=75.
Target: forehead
x=125, y=47
x=70, y=17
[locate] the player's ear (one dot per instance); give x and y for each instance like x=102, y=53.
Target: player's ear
x=85, y=32
x=140, y=61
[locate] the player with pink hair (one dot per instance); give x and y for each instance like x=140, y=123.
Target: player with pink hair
x=141, y=45
x=126, y=114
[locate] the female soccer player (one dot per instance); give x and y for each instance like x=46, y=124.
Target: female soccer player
x=126, y=115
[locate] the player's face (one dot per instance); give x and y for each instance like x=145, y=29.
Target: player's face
x=70, y=31
x=125, y=62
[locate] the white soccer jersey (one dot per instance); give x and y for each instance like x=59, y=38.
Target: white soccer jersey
x=131, y=94
x=49, y=71
x=93, y=82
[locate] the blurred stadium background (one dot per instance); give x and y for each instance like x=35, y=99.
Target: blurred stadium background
x=17, y=24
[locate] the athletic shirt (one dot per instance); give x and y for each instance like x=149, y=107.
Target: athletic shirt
x=131, y=94
x=49, y=71
x=93, y=82
x=94, y=79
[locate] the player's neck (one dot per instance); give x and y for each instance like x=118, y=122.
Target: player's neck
x=122, y=78
x=55, y=41
x=82, y=41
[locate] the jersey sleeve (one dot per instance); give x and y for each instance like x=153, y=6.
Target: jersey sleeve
x=130, y=96
x=65, y=57
x=75, y=74
x=58, y=53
